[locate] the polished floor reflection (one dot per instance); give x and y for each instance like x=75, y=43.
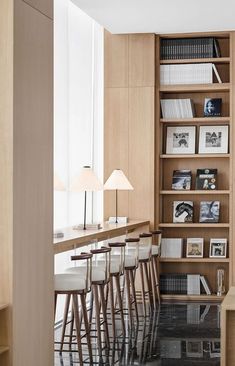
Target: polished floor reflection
x=176, y=334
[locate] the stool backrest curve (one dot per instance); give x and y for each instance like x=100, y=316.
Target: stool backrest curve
x=106, y=252
x=88, y=258
x=146, y=243
x=157, y=239
x=132, y=248
x=118, y=250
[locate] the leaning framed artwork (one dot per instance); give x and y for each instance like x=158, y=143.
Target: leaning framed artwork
x=180, y=140
x=213, y=140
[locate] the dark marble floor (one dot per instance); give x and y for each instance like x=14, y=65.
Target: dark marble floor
x=176, y=334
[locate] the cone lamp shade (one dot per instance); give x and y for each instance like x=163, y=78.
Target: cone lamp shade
x=118, y=181
x=86, y=181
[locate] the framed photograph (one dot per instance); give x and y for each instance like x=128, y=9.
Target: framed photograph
x=181, y=180
x=182, y=211
x=212, y=107
x=194, y=349
x=194, y=248
x=218, y=248
x=215, y=349
x=209, y=211
x=213, y=140
x=180, y=140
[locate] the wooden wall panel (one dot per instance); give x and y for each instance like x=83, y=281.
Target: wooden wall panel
x=141, y=152
x=115, y=60
x=116, y=145
x=44, y=6
x=141, y=60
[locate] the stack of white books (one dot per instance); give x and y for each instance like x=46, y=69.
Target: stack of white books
x=177, y=108
x=193, y=284
x=188, y=74
x=171, y=248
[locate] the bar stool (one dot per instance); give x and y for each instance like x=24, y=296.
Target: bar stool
x=145, y=253
x=99, y=278
x=130, y=266
x=156, y=252
x=74, y=286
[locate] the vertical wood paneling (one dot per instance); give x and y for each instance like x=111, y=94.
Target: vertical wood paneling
x=44, y=6
x=141, y=60
x=158, y=140
x=115, y=60
x=116, y=145
x=141, y=152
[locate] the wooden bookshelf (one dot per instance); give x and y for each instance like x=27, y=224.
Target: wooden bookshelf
x=166, y=163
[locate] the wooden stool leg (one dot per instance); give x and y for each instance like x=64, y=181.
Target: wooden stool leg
x=65, y=319
x=87, y=327
x=134, y=295
x=142, y=288
x=104, y=311
x=97, y=317
x=129, y=297
x=77, y=326
x=156, y=259
x=119, y=297
x=154, y=285
x=112, y=307
x=71, y=330
x=148, y=281
x=91, y=308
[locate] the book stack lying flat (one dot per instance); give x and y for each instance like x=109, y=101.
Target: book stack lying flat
x=188, y=74
x=189, y=48
x=177, y=108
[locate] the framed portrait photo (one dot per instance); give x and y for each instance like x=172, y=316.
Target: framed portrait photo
x=218, y=248
x=213, y=140
x=180, y=140
x=194, y=248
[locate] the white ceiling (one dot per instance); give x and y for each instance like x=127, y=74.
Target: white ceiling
x=161, y=16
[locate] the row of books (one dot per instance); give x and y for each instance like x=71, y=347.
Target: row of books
x=183, y=211
x=184, y=284
x=188, y=350
x=206, y=179
x=173, y=247
x=189, y=48
x=184, y=108
x=188, y=74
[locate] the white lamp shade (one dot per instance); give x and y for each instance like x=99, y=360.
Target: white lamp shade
x=58, y=184
x=86, y=181
x=118, y=180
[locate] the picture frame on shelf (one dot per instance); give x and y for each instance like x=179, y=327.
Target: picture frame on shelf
x=218, y=248
x=180, y=140
x=213, y=139
x=212, y=107
x=209, y=211
x=215, y=349
x=194, y=349
x=194, y=248
x=182, y=211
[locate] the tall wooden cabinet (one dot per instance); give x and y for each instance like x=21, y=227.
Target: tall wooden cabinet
x=135, y=140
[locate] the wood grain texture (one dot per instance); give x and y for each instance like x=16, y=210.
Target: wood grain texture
x=33, y=188
x=44, y=6
x=115, y=60
x=141, y=60
x=141, y=153
x=116, y=146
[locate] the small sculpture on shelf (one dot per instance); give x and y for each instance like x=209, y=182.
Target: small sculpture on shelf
x=220, y=281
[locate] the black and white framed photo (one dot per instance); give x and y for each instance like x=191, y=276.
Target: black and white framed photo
x=212, y=107
x=180, y=140
x=209, y=211
x=218, y=248
x=182, y=211
x=213, y=140
x=194, y=349
x=181, y=180
x=194, y=248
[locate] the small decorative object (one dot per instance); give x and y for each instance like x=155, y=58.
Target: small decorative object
x=117, y=181
x=182, y=211
x=206, y=179
x=180, y=140
x=213, y=140
x=220, y=281
x=209, y=211
x=212, y=107
x=194, y=248
x=181, y=180
x=218, y=248
x=194, y=349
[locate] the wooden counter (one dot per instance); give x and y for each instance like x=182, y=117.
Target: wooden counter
x=77, y=238
x=228, y=329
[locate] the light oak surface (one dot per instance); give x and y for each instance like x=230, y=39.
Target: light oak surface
x=195, y=87
x=228, y=329
x=197, y=60
x=44, y=6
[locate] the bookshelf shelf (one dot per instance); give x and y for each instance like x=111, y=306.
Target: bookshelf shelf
x=194, y=225
x=195, y=260
x=195, y=192
x=215, y=87
x=217, y=60
x=194, y=156
x=200, y=298
x=205, y=120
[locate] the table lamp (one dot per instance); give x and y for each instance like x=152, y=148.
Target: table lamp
x=117, y=181
x=86, y=181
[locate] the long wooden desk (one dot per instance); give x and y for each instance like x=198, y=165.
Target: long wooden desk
x=228, y=329
x=77, y=238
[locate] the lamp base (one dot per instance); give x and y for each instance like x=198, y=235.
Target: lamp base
x=120, y=220
x=88, y=227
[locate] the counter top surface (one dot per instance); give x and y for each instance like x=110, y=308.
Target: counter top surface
x=229, y=301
